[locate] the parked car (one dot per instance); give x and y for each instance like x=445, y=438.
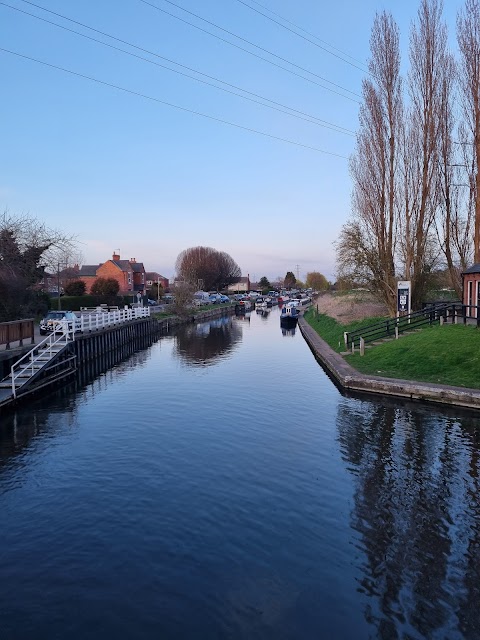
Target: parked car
x=215, y=298
x=200, y=298
x=52, y=321
x=224, y=298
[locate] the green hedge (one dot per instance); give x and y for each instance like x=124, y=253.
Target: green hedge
x=73, y=303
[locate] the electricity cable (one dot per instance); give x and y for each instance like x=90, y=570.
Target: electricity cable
x=170, y=104
x=304, y=31
x=308, y=118
x=232, y=44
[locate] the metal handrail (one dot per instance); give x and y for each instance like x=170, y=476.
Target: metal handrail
x=65, y=331
x=49, y=342
x=389, y=326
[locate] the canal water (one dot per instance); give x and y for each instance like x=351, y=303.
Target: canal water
x=216, y=484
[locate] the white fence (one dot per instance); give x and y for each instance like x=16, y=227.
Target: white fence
x=89, y=321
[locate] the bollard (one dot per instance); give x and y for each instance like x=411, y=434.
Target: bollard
x=362, y=347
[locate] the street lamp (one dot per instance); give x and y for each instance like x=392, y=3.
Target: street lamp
x=58, y=282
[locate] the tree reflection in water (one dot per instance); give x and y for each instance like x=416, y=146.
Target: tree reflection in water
x=417, y=510
x=203, y=343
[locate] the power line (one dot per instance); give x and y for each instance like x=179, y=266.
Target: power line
x=304, y=31
x=308, y=118
x=170, y=104
x=254, y=54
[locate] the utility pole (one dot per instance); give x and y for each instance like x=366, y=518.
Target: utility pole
x=58, y=286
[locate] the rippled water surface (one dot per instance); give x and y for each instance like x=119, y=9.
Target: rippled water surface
x=216, y=484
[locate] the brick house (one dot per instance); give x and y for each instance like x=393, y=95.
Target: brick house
x=152, y=277
x=129, y=274
x=471, y=288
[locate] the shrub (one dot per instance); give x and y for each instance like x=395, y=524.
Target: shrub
x=75, y=288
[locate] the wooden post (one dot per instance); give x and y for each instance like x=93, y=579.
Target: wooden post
x=396, y=333
x=353, y=346
x=441, y=321
x=362, y=347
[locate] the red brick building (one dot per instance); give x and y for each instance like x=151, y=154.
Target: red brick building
x=152, y=277
x=471, y=289
x=129, y=274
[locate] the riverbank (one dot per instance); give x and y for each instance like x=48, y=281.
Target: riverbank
x=349, y=378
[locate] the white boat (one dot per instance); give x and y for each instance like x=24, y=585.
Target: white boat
x=289, y=313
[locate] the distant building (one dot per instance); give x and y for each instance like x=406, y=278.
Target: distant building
x=152, y=277
x=242, y=286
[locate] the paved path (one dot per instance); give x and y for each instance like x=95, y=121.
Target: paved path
x=349, y=378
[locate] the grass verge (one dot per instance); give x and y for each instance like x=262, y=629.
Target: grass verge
x=445, y=355
x=332, y=331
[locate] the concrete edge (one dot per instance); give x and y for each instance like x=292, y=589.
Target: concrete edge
x=349, y=378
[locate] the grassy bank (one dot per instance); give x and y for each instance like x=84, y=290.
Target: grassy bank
x=332, y=331
x=446, y=355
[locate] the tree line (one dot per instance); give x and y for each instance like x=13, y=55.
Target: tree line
x=415, y=168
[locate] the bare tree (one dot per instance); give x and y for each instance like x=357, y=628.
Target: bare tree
x=214, y=269
x=468, y=36
x=428, y=64
x=367, y=245
x=26, y=246
x=454, y=220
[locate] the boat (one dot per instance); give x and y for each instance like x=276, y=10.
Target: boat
x=243, y=306
x=289, y=314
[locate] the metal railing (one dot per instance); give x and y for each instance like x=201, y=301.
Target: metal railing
x=93, y=321
x=46, y=347
x=393, y=327
x=64, y=333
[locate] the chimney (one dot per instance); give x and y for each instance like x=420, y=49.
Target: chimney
x=116, y=255
x=132, y=260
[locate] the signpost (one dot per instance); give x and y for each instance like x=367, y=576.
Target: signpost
x=404, y=298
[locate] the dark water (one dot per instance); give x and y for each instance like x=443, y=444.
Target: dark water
x=217, y=485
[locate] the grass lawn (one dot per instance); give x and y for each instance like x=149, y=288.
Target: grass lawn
x=332, y=331
x=446, y=355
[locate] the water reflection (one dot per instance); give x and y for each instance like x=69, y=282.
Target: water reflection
x=288, y=331
x=20, y=427
x=417, y=510
x=203, y=343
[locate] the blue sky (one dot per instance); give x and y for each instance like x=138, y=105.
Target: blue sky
x=124, y=172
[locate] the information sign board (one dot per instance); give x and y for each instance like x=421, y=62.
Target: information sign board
x=403, y=296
